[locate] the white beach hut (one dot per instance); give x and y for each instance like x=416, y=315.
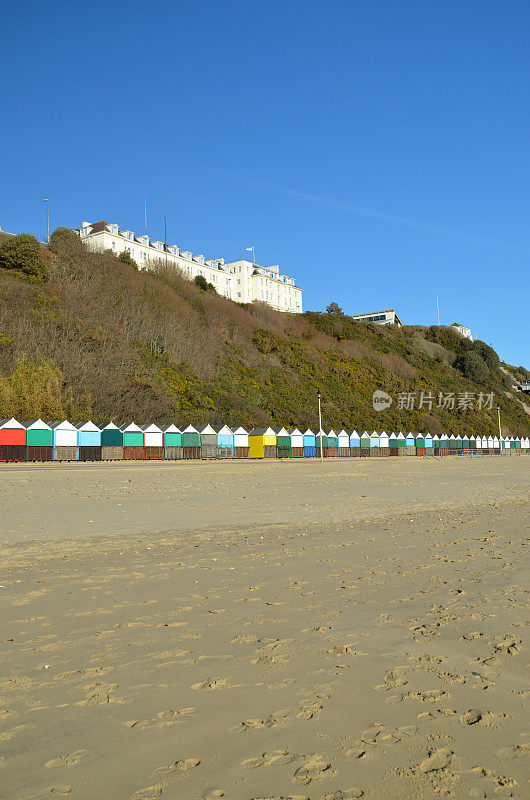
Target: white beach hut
x=153, y=435
x=64, y=441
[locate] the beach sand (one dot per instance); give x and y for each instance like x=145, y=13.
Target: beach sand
x=264, y=630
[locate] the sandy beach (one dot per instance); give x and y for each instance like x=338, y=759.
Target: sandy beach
x=265, y=631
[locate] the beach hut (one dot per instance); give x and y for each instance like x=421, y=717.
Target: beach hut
x=355, y=439
x=374, y=440
x=190, y=437
x=393, y=444
x=332, y=450
x=111, y=443
x=64, y=441
x=465, y=442
x=355, y=444
x=310, y=447
x=401, y=444
x=172, y=442
x=191, y=442
x=452, y=442
x=241, y=448
x=517, y=442
x=225, y=441
x=459, y=443
x=262, y=443
x=436, y=442
x=491, y=442
x=39, y=440
x=283, y=442
x=12, y=440
x=343, y=440
x=420, y=440
x=297, y=442
x=428, y=441
x=444, y=441
x=525, y=443
x=153, y=441
x=133, y=442
x=384, y=441
x=410, y=444
x=208, y=437
x=496, y=443
x=88, y=441
x=321, y=437
x=365, y=441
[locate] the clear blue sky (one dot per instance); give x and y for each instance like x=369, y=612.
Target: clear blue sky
x=378, y=151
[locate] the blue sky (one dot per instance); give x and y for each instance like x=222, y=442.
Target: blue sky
x=378, y=151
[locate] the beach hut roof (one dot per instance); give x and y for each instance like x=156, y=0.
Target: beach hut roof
x=343, y=433
x=436, y=437
x=400, y=435
x=63, y=425
x=36, y=425
x=410, y=435
x=365, y=435
x=151, y=428
x=223, y=430
x=206, y=429
x=308, y=432
x=420, y=436
x=190, y=429
x=428, y=435
x=374, y=433
x=110, y=427
x=393, y=435
x=452, y=436
x=261, y=432
x=240, y=430
x=459, y=437
x=11, y=423
x=331, y=433
x=353, y=433
x=87, y=426
x=383, y=434
x=170, y=429
x=294, y=432
x=280, y=432
x=130, y=428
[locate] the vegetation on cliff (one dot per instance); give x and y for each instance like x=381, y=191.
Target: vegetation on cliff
x=88, y=335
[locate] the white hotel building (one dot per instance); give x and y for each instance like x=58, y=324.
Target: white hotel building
x=241, y=281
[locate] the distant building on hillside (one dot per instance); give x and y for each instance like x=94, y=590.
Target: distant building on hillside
x=388, y=317
x=465, y=332
x=241, y=281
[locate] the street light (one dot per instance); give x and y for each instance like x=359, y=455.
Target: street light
x=47, y=216
x=320, y=425
x=500, y=434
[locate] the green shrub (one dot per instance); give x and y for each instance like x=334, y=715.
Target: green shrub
x=23, y=254
x=65, y=242
x=334, y=308
x=126, y=258
x=201, y=282
x=473, y=367
x=487, y=354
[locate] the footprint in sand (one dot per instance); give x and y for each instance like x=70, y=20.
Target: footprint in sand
x=149, y=793
x=61, y=791
x=314, y=769
x=346, y=794
x=164, y=719
x=274, y=758
x=438, y=759
x=65, y=760
x=212, y=683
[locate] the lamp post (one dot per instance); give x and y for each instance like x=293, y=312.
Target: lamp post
x=320, y=424
x=500, y=434
x=47, y=217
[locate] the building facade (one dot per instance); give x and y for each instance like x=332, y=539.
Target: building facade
x=388, y=317
x=465, y=332
x=241, y=281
